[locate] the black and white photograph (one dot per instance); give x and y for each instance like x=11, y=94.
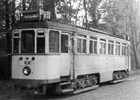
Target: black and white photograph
x=69, y=49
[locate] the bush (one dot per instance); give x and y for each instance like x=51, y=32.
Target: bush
x=5, y=67
x=5, y=60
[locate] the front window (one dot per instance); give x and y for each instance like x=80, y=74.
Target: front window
x=54, y=41
x=40, y=42
x=27, y=41
x=16, y=43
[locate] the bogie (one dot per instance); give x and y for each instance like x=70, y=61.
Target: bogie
x=119, y=76
x=85, y=81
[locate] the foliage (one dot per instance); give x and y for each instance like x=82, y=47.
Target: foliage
x=5, y=66
x=2, y=14
x=92, y=9
x=65, y=11
x=120, y=17
x=115, y=16
x=79, y=12
x=135, y=30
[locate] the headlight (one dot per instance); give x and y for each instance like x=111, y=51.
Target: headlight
x=26, y=70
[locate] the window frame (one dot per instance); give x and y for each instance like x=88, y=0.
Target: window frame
x=59, y=36
x=123, y=53
x=117, y=45
x=34, y=40
x=93, y=40
x=68, y=41
x=111, y=50
x=82, y=38
x=40, y=36
x=102, y=41
x=127, y=50
x=13, y=39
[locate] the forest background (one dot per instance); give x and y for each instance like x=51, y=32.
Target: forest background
x=117, y=17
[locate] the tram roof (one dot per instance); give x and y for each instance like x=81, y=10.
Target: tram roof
x=58, y=26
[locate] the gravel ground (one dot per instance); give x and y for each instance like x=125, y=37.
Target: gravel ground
x=128, y=90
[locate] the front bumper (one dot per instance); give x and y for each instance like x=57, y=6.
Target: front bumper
x=33, y=83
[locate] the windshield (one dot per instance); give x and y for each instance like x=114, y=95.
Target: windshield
x=27, y=41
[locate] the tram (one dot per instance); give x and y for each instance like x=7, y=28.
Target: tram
x=64, y=58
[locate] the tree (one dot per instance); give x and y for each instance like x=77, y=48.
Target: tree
x=2, y=15
x=65, y=11
x=7, y=21
x=115, y=16
x=94, y=13
x=85, y=12
x=135, y=30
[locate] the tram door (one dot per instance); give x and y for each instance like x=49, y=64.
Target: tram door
x=65, y=54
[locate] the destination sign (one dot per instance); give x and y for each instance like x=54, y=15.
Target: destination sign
x=31, y=16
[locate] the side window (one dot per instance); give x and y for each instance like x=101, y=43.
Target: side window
x=64, y=43
x=93, y=45
x=81, y=44
x=40, y=42
x=84, y=46
x=54, y=41
x=127, y=50
x=110, y=47
x=123, y=49
x=102, y=46
x=16, y=43
x=117, y=48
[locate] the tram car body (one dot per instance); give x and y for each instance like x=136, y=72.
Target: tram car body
x=55, y=57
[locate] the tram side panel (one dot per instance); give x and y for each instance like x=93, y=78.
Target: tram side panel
x=106, y=67
x=65, y=64
x=102, y=64
x=120, y=63
x=86, y=64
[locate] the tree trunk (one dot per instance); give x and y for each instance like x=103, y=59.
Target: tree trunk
x=13, y=12
x=7, y=15
x=136, y=54
x=85, y=8
x=7, y=26
x=24, y=4
x=134, y=27
x=78, y=9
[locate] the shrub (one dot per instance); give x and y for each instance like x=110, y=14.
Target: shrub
x=5, y=67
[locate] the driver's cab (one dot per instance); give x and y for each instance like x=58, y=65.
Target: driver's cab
x=37, y=41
